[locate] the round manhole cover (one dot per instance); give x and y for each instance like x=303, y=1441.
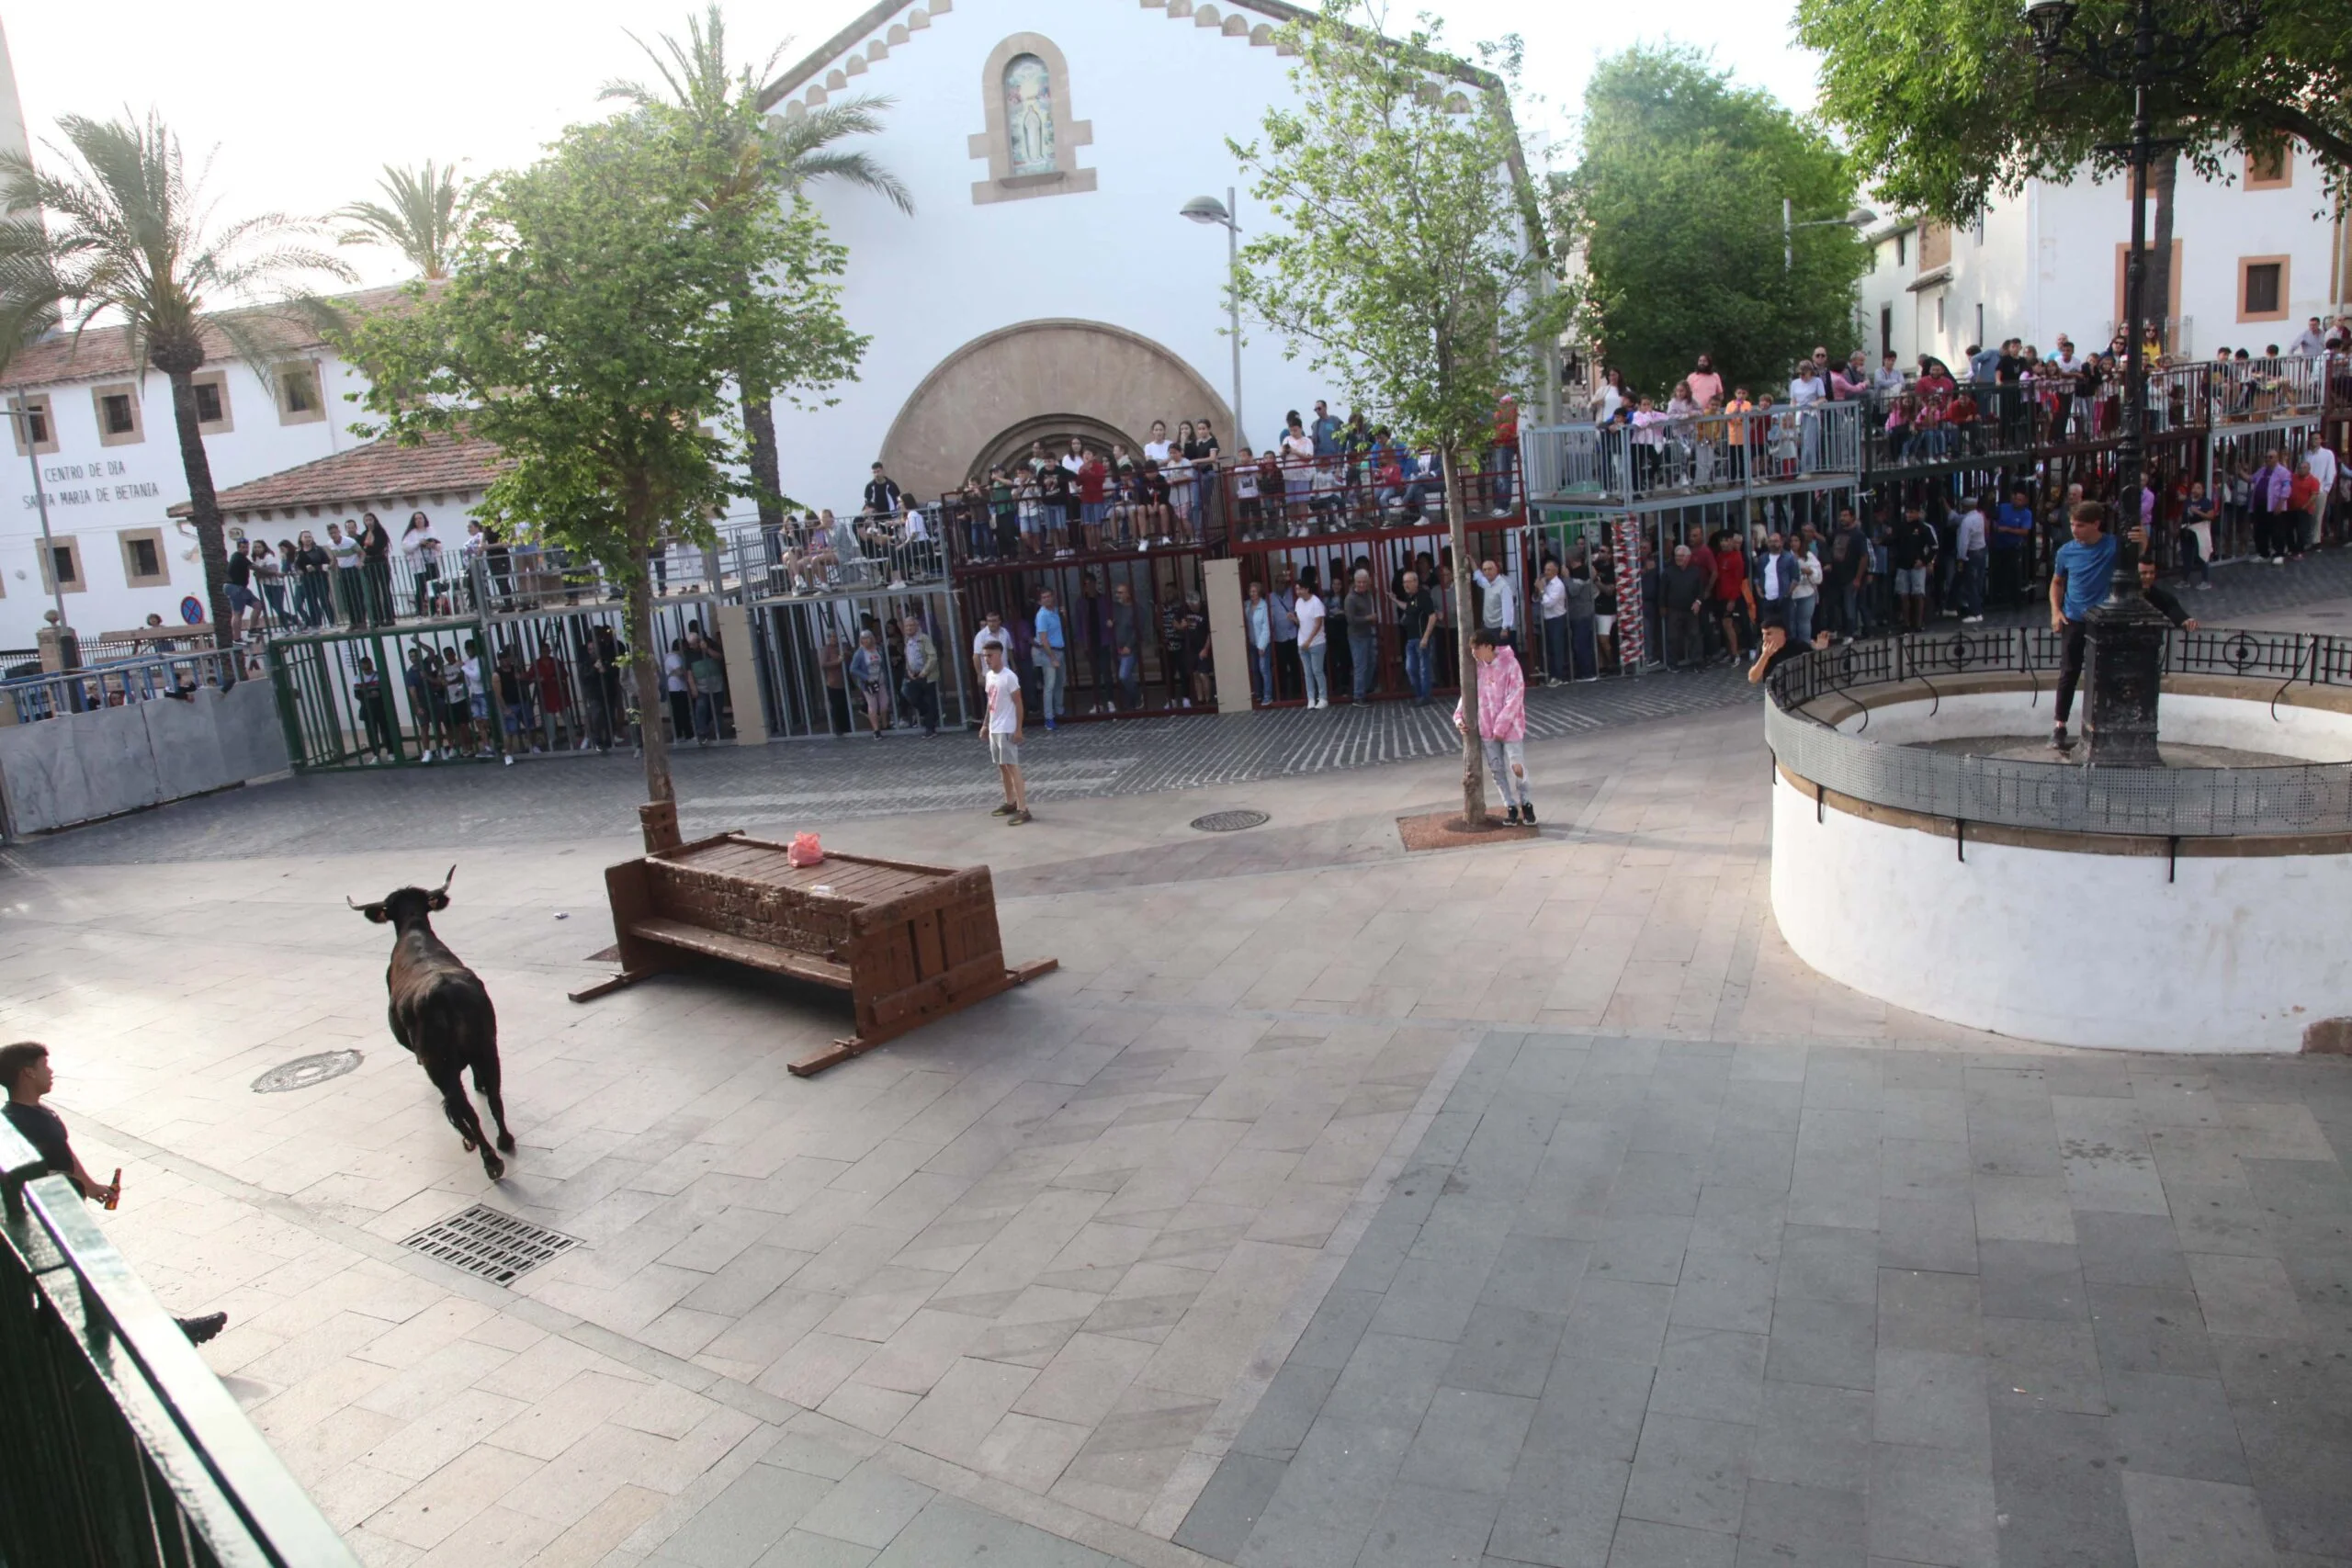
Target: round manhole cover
x=1228, y=821
x=302, y=1072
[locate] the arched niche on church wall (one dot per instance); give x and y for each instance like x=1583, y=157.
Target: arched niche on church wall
x=1031, y=134
x=1031, y=377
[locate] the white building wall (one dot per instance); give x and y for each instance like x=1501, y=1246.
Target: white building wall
x=2047, y=265
x=1161, y=96
x=97, y=492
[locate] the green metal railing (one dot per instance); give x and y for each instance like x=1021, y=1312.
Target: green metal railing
x=119, y=1447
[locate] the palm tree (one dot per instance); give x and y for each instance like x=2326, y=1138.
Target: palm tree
x=129, y=237
x=765, y=159
x=422, y=217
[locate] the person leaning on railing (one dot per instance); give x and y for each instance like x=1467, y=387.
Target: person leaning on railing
x=26, y=1074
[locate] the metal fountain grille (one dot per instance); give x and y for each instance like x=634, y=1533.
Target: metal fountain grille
x=1228, y=821
x=498, y=1247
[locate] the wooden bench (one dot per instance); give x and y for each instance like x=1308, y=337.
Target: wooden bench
x=908, y=943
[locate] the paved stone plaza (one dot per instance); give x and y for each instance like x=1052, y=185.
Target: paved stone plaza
x=1525, y=1205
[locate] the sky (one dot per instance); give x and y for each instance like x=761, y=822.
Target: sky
x=301, y=105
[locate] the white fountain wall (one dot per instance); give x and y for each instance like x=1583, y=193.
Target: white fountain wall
x=2234, y=954
x=2319, y=735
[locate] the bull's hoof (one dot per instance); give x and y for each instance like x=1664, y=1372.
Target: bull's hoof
x=506, y=1141
x=491, y=1166
x=471, y=1146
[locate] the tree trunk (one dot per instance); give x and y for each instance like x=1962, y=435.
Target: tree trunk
x=2157, y=295
x=759, y=430
x=204, y=508
x=1457, y=534
x=645, y=663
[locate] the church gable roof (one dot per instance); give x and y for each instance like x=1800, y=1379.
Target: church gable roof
x=889, y=25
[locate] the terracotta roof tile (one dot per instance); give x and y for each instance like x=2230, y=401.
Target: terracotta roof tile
x=101, y=353
x=368, y=475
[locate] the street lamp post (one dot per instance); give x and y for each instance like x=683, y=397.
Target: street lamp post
x=1208, y=209
x=1861, y=218
x=2123, y=666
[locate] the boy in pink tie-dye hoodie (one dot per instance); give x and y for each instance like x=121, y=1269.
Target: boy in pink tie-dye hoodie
x=1502, y=721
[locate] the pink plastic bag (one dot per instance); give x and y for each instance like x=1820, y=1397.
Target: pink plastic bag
x=806, y=851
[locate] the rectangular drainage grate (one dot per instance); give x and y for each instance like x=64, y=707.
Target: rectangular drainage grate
x=496, y=1246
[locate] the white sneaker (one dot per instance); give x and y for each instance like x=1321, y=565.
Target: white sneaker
x=510, y=762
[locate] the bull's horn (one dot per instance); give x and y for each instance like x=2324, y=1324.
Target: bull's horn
x=446, y=880
x=346, y=899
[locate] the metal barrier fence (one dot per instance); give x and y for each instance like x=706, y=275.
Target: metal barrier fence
x=30, y=698
x=806, y=645
x=1691, y=457
x=2292, y=798
x=122, y=1449
x=446, y=692
x=1278, y=565
x=1209, y=505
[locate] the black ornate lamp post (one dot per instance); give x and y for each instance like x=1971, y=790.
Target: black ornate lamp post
x=2126, y=636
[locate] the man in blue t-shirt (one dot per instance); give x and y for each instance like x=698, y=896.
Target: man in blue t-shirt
x=2012, y=547
x=2078, y=583
x=1048, y=649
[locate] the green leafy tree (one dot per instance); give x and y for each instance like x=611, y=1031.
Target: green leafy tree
x=423, y=216
x=1407, y=258
x=759, y=158
x=1946, y=105
x=1676, y=198
x=121, y=232
x=1945, y=102
x=590, y=331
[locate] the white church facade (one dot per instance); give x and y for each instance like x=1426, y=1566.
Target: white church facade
x=1046, y=285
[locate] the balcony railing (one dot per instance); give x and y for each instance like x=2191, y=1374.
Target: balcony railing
x=122, y=1449
x=1696, y=457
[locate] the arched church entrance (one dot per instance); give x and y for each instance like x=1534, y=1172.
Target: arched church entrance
x=1038, y=380
x=1055, y=433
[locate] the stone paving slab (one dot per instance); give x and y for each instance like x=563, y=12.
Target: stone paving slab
x=1541, y=1354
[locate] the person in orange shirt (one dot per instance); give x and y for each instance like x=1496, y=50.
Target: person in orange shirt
x=1735, y=416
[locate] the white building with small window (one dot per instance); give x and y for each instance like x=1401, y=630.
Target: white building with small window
x=103, y=441
x=2255, y=256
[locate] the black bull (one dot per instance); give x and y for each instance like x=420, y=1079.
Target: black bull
x=441, y=1012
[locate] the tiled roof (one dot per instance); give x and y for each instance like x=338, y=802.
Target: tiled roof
x=378, y=471
x=102, y=352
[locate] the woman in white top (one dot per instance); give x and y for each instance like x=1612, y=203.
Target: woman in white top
x=421, y=553
x=1298, y=471
x=1611, y=396
x=1311, y=648
x=1803, y=594
x=1553, y=600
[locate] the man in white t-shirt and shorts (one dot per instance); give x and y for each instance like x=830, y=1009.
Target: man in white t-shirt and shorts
x=1002, y=689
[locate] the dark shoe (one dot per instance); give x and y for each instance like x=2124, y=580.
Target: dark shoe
x=1005, y=810
x=2058, y=741
x=1511, y=818
x=1528, y=815
x=199, y=1329
x=1016, y=819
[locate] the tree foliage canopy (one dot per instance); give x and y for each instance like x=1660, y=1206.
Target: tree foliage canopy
x=1406, y=259
x=1946, y=105
x=591, y=329
x=1676, y=197
x=423, y=216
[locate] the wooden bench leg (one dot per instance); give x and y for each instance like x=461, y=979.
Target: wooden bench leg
x=607, y=987
x=841, y=1051
x=832, y=1055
